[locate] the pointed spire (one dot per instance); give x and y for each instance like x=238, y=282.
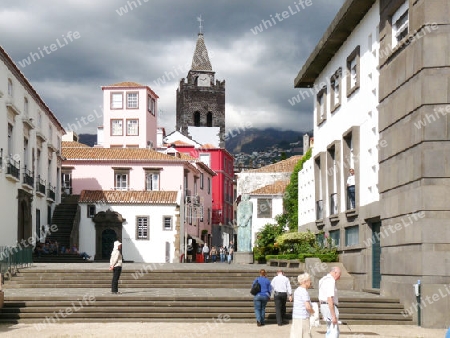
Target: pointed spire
x=200, y=61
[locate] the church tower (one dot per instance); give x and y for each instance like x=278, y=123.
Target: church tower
x=201, y=101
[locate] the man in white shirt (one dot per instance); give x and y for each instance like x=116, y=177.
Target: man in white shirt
x=351, y=188
x=281, y=286
x=329, y=301
x=205, y=253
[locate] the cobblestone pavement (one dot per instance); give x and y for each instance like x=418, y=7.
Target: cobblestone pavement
x=212, y=328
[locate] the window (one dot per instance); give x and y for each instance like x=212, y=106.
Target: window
x=321, y=105
x=336, y=90
x=116, y=100
x=335, y=236
x=209, y=119
x=205, y=158
x=116, y=127
x=320, y=238
x=209, y=216
x=10, y=88
x=196, y=119
x=132, y=100
x=132, y=127
x=167, y=222
x=121, y=180
x=353, y=71
x=50, y=133
x=152, y=181
x=400, y=24
x=209, y=185
x=91, y=211
x=151, y=105
x=10, y=140
x=201, y=180
x=25, y=106
x=264, y=208
x=142, y=227
x=352, y=235
x=39, y=123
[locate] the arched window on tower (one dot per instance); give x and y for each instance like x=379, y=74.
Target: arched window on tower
x=197, y=119
x=209, y=119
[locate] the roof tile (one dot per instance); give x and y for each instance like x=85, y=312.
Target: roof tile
x=128, y=197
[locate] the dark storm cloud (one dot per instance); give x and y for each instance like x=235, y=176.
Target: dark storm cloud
x=251, y=46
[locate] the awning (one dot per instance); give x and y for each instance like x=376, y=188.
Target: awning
x=198, y=240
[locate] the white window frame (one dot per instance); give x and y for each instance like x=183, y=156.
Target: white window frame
x=116, y=100
x=142, y=227
x=167, y=223
x=91, y=210
x=133, y=100
x=116, y=127
x=152, y=180
x=10, y=88
x=121, y=180
x=400, y=23
x=132, y=127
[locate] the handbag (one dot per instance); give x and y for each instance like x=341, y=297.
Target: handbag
x=256, y=288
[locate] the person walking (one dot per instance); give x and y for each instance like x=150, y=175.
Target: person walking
x=222, y=254
x=261, y=298
x=302, y=308
x=230, y=252
x=329, y=301
x=213, y=254
x=281, y=286
x=115, y=264
x=205, y=251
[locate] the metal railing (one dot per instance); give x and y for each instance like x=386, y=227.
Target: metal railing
x=14, y=258
x=13, y=168
x=51, y=192
x=28, y=177
x=40, y=185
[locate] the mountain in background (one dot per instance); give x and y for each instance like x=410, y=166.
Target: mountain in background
x=253, y=139
x=243, y=141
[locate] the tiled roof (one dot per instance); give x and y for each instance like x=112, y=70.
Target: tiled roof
x=73, y=144
x=128, y=197
x=99, y=154
x=276, y=188
x=126, y=84
x=285, y=166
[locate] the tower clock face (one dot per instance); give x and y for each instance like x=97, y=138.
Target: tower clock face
x=204, y=80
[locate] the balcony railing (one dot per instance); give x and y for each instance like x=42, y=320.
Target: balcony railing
x=333, y=204
x=13, y=168
x=40, y=185
x=319, y=209
x=51, y=192
x=28, y=178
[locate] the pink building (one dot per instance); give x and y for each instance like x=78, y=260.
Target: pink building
x=129, y=116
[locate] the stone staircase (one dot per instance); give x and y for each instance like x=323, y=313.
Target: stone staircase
x=160, y=295
x=63, y=216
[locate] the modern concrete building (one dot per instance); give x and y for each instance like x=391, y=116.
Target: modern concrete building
x=30, y=158
x=386, y=118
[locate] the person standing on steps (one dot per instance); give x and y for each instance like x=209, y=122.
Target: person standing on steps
x=115, y=265
x=260, y=299
x=329, y=302
x=282, y=291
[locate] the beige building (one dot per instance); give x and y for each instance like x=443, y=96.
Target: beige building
x=399, y=229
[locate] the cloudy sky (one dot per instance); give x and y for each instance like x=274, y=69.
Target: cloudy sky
x=257, y=46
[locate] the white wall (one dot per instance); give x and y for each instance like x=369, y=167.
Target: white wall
x=306, y=194
x=152, y=250
x=259, y=223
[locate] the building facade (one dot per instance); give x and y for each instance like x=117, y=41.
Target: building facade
x=30, y=158
x=389, y=125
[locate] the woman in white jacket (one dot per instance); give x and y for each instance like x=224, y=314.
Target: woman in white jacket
x=115, y=264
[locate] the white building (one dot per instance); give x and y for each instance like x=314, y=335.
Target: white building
x=30, y=157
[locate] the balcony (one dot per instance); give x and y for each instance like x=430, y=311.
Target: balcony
x=27, y=179
x=51, y=196
x=13, y=170
x=28, y=122
x=11, y=107
x=40, y=186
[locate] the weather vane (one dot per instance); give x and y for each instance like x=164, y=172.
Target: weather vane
x=199, y=19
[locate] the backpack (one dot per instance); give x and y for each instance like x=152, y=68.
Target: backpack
x=256, y=288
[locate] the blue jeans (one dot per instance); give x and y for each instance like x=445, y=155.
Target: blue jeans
x=351, y=196
x=222, y=257
x=259, y=304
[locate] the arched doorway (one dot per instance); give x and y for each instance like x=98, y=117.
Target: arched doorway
x=109, y=236
x=108, y=228
x=24, y=218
